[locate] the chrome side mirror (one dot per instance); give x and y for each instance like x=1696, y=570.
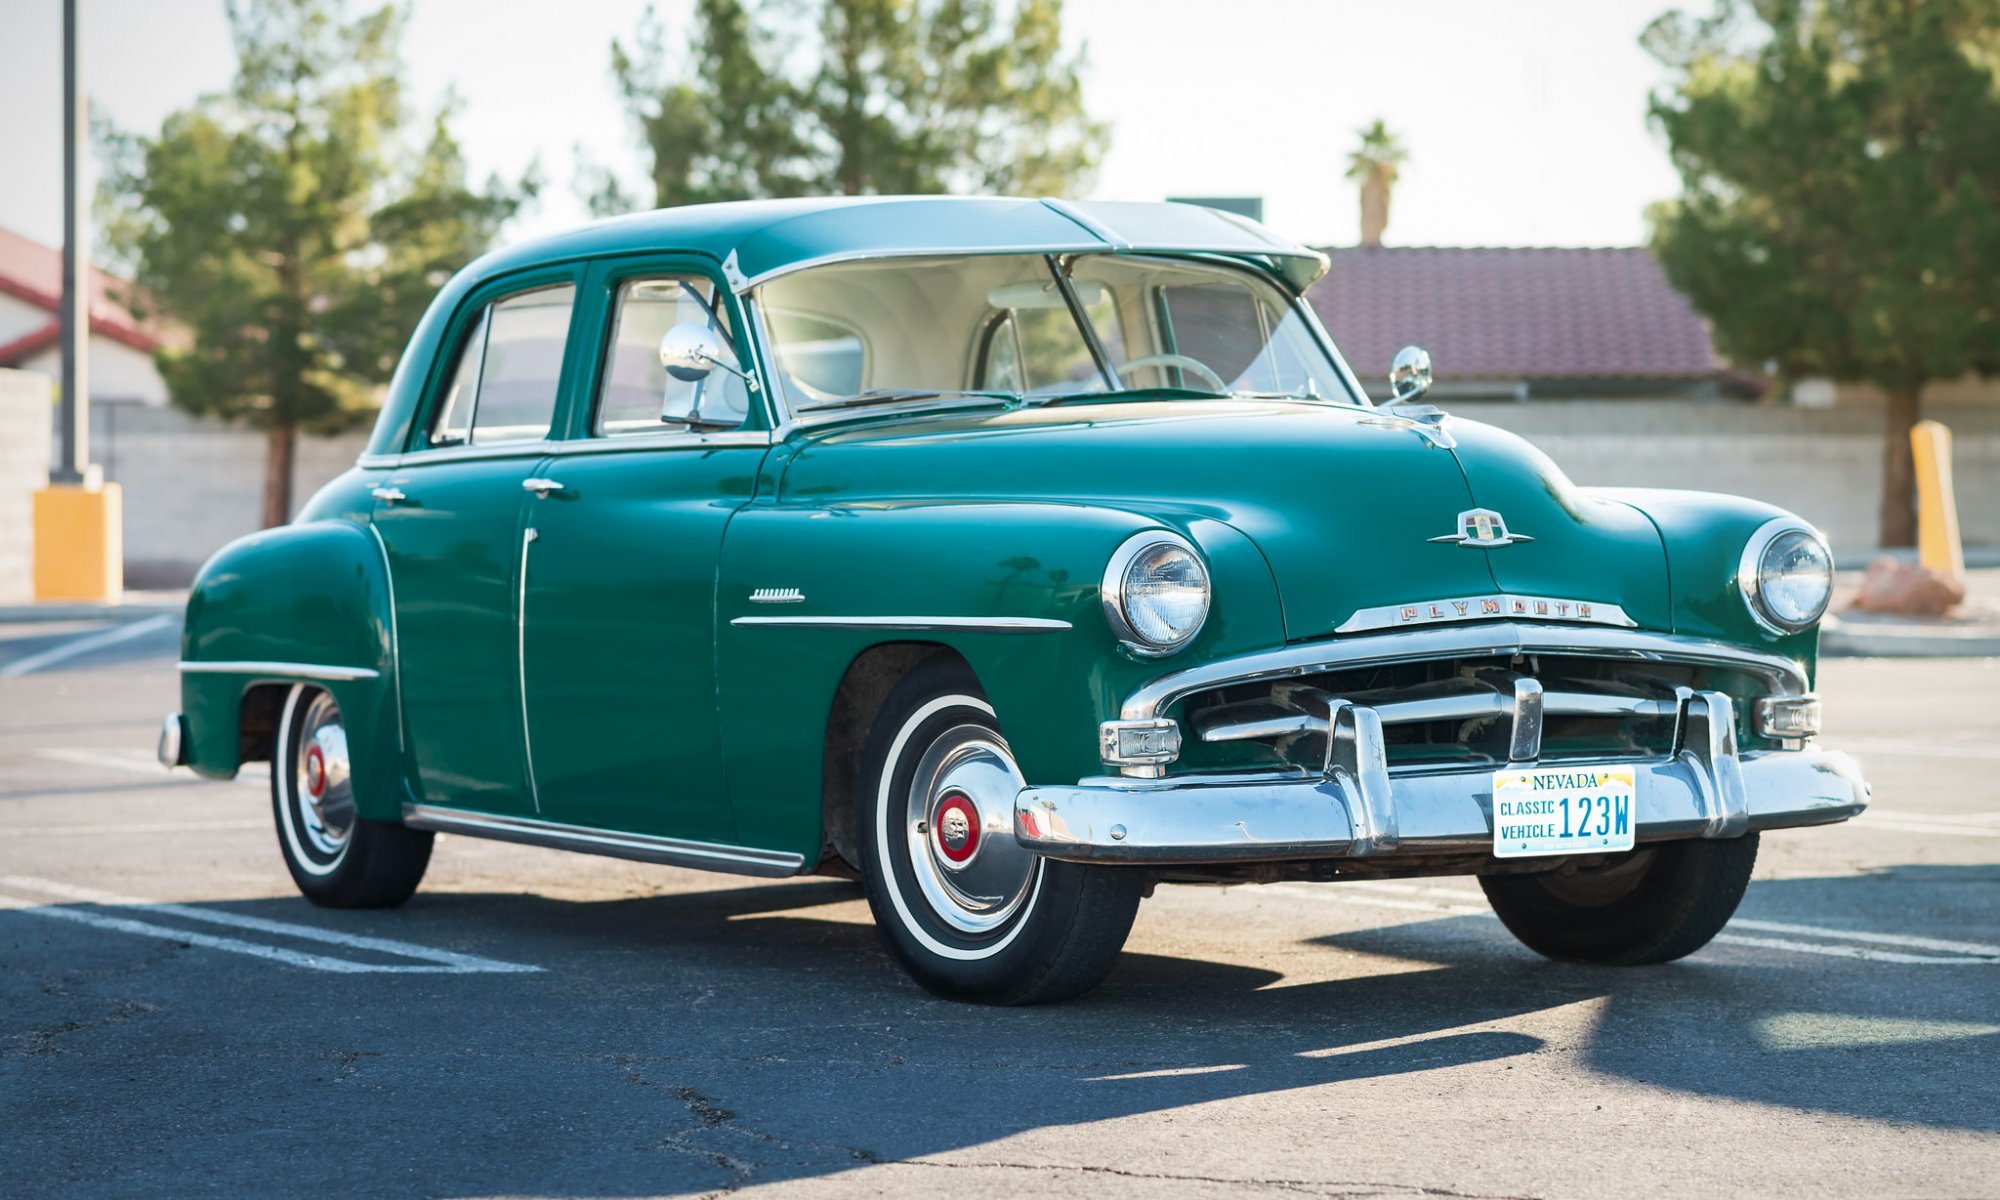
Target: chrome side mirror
x=1409, y=375
x=690, y=350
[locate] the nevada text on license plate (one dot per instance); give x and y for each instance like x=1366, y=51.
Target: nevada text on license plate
x=1562, y=810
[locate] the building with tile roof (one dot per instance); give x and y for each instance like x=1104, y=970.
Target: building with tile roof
x=121, y=344
x=1522, y=322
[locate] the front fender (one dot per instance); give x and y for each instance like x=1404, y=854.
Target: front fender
x=306, y=603
x=779, y=673
x=1704, y=534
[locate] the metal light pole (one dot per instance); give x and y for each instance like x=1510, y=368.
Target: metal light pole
x=79, y=534
x=75, y=317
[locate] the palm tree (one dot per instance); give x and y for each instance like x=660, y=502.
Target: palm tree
x=1375, y=163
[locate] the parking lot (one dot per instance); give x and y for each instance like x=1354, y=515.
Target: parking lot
x=175, y=1020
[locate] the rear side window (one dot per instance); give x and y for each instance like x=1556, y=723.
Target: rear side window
x=503, y=387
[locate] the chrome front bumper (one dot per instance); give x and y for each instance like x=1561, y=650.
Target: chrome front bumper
x=1359, y=808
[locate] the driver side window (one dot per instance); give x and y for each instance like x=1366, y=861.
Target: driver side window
x=637, y=395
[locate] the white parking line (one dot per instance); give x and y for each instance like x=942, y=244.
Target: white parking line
x=431, y=961
x=135, y=827
x=84, y=645
x=138, y=762
x=1910, y=822
x=1460, y=902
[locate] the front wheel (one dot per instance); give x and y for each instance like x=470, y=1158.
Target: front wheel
x=338, y=858
x=1652, y=905
x=969, y=912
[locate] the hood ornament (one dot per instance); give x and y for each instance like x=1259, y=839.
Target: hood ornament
x=1484, y=528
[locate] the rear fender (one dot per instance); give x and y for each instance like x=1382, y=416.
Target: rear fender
x=302, y=604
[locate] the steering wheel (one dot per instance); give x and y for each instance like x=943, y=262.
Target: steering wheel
x=1177, y=360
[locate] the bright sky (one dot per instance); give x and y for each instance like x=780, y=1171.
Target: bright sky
x=1525, y=119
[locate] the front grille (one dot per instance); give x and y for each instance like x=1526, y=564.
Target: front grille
x=1463, y=711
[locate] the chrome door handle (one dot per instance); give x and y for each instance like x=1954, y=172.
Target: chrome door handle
x=388, y=495
x=542, y=487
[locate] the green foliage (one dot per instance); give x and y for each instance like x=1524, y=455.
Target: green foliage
x=795, y=97
x=1840, y=163
x=1379, y=156
x=289, y=223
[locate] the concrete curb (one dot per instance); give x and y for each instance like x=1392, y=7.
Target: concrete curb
x=1908, y=639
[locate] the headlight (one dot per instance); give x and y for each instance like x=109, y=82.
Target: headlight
x=1156, y=593
x=1786, y=576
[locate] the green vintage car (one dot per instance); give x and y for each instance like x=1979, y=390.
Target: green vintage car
x=1015, y=556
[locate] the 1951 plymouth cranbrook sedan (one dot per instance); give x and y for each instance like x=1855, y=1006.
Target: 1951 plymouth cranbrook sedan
x=1017, y=556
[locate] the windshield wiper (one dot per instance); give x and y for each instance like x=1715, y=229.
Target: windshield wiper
x=902, y=395
x=1120, y=394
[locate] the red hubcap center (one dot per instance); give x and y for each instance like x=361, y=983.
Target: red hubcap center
x=956, y=829
x=315, y=771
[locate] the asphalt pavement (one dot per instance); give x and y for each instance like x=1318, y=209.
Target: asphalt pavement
x=175, y=1021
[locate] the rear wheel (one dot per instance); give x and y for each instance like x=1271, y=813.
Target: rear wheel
x=968, y=911
x=1652, y=905
x=338, y=858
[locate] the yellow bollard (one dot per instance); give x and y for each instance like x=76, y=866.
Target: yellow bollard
x=80, y=543
x=1938, y=546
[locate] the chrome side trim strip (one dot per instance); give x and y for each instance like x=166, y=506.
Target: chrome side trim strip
x=618, y=443
x=963, y=624
x=1456, y=641
x=638, y=847
x=528, y=538
x=279, y=670
x=417, y=458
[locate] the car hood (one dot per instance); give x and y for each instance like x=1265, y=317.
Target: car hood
x=1346, y=504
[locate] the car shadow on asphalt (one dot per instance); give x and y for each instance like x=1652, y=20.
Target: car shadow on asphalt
x=1908, y=1041
x=708, y=1040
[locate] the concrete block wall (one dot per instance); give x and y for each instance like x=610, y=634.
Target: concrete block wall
x=1824, y=464
x=26, y=421
x=192, y=485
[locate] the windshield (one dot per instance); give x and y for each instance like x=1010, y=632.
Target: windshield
x=1038, y=328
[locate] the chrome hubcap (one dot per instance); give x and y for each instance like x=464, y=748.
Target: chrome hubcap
x=960, y=823
x=320, y=778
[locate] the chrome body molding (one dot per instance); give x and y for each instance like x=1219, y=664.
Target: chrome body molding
x=639, y=847
x=787, y=595
x=395, y=637
x=280, y=670
x=1786, y=676
x=528, y=539
x=1355, y=811
x=1489, y=607
x=958, y=624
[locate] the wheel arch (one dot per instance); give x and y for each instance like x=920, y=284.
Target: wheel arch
x=302, y=604
x=857, y=703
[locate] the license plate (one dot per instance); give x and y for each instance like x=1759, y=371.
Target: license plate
x=1562, y=810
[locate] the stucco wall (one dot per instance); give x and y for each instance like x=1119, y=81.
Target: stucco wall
x=192, y=485
x=1824, y=464
x=25, y=421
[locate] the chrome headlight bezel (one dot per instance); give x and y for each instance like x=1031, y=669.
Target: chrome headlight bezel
x=1750, y=574
x=1114, y=590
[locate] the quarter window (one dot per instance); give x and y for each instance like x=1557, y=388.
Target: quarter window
x=504, y=386
x=638, y=396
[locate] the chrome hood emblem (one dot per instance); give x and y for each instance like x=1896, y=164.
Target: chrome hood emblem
x=1484, y=528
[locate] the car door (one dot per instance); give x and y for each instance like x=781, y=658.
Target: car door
x=450, y=518
x=619, y=594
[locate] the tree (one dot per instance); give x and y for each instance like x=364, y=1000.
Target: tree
x=856, y=97
x=1376, y=162
x=292, y=228
x=1840, y=206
